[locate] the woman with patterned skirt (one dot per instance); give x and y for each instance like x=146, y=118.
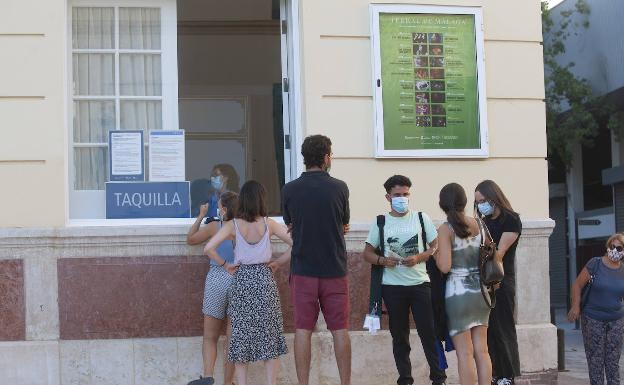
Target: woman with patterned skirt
x=255, y=311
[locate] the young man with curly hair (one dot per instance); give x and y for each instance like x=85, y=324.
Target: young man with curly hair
x=316, y=209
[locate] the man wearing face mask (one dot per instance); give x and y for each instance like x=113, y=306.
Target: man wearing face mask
x=405, y=283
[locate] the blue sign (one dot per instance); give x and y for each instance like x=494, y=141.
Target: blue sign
x=148, y=200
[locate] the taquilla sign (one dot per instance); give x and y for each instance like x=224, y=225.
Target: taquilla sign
x=126, y=200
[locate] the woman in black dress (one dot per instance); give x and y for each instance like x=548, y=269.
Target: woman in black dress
x=505, y=227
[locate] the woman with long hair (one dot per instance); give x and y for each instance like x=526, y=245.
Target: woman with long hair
x=459, y=239
x=223, y=178
x=255, y=311
x=216, y=288
x=602, y=314
x=505, y=227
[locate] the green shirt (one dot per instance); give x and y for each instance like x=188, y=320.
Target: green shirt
x=403, y=237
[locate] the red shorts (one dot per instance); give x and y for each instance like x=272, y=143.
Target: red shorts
x=311, y=294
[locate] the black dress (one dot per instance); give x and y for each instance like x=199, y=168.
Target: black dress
x=502, y=338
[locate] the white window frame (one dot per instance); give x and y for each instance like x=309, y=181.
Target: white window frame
x=91, y=203
x=295, y=105
x=380, y=151
x=295, y=100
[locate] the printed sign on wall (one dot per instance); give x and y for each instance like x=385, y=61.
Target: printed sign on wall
x=167, y=156
x=429, y=81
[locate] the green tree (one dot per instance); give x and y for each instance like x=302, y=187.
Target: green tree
x=574, y=115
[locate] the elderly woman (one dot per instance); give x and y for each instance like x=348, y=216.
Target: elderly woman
x=602, y=313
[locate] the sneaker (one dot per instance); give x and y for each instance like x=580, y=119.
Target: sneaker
x=505, y=381
x=202, y=381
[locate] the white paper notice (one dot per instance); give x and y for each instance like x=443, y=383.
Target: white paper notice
x=126, y=153
x=166, y=156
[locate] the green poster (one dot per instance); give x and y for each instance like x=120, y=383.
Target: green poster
x=429, y=81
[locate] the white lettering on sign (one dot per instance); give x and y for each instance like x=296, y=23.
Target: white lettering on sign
x=150, y=199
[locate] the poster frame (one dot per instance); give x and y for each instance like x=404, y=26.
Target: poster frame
x=377, y=82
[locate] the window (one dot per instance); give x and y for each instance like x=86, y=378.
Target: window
x=231, y=95
x=217, y=70
x=123, y=78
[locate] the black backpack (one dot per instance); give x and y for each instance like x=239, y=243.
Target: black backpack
x=374, y=304
x=438, y=289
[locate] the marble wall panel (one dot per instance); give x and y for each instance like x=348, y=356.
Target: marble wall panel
x=101, y=298
x=12, y=308
x=145, y=297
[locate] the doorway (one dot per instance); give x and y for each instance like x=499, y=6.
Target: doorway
x=233, y=94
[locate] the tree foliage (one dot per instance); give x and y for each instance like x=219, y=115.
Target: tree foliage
x=574, y=115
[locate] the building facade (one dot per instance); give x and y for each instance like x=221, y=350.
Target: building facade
x=586, y=200
x=90, y=300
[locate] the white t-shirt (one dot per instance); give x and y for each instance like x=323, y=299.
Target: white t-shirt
x=402, y=236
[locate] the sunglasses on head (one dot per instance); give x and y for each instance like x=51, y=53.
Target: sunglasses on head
x=618, y=248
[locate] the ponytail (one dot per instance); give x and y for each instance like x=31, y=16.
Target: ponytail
x=453, y=202
x=457, y=220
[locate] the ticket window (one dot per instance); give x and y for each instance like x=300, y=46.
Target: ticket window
x=217, y=70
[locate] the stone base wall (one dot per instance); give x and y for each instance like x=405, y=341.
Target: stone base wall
x=121, y=305
x=173, y=361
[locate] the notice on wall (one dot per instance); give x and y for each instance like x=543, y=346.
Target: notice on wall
x=126, y=155
x=167, y=156
x=428, y=93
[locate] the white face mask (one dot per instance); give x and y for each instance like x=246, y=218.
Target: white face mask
x=400, y=204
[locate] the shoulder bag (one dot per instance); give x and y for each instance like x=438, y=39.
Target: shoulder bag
x=491, y=271
x=593, y=269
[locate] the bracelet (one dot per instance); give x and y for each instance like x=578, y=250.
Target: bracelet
x=378, y=260
x=223, y=264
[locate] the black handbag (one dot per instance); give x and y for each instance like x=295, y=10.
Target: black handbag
x=491, y=271
x=592, y=276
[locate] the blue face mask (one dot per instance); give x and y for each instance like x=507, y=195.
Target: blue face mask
x=400, y=204
x=485, y=208
x=216, y=182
